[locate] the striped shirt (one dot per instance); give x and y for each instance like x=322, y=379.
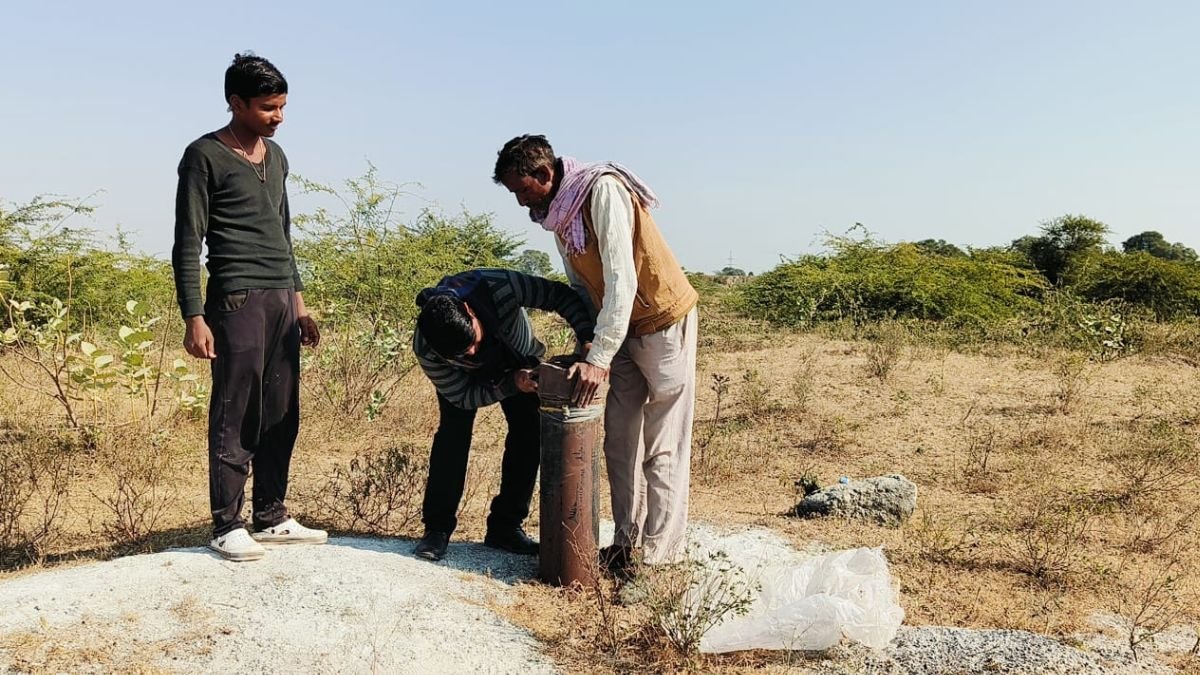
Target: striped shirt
x=511, y=293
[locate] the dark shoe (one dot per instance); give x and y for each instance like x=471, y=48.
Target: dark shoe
x=618, y=561
x=433, y=546
x=513, y=540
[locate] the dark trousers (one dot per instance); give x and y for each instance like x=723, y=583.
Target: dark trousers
x=254, y=412
x=448, y=464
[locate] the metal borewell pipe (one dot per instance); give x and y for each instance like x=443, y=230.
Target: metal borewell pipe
x=570, y=488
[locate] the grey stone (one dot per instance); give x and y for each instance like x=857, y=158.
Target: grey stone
x=887, y=500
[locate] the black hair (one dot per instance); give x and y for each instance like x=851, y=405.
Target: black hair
x=445, y=324
x=523, y=155
x=250, y=76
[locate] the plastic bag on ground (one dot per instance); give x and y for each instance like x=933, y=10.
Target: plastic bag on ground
x=809, y=604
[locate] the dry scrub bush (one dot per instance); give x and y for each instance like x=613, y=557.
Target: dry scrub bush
x=884, y=347
x=831, y=435
x=1150, y=598
x=1046, y=534
x=377, y=492
x=944, y=540
x=720, y=387
x=34, y=481
x=141, y=490
x=804, y=379
x=1149, y=529
x=1154, y=460
x=977, y=475
x=1071, y=380
x=1177, y=339
x=755, y=393
x=357, y=369
x=607, y=624
x=483, y=472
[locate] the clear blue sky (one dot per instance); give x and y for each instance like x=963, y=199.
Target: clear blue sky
x=760, y=124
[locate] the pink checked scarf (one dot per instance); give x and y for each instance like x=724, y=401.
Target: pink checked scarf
x=564, y=216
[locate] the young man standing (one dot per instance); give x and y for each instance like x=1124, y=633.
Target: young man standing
x=475, y=343
x=645, y=343
x=232, y=197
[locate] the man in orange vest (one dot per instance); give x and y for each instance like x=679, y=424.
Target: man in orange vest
x=645, y=339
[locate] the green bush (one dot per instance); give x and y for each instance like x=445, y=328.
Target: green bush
x=362, y=263
x=864, y=280
x=1156, y=245
x=1170, y=289
x=1064, y=240
x=46, y=259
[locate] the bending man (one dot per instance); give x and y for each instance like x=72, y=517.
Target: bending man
x=475, y=343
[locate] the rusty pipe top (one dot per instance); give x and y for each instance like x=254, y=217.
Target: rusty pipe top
x=555, y=388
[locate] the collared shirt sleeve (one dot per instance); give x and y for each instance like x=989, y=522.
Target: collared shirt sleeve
x=612, y=218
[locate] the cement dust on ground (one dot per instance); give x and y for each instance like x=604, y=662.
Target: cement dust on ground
x=368, y=606
x=354, y=605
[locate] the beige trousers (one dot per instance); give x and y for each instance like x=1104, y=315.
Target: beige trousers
x=648, y=439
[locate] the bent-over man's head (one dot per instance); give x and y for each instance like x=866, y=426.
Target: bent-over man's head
x=449, y=326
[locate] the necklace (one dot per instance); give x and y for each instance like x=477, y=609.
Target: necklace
x=262, y=177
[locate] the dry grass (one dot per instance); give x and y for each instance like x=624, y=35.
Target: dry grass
x=91, y=646
x=994, y=438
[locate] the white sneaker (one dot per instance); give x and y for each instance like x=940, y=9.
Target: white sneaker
x=291, y=532
x=237, y=546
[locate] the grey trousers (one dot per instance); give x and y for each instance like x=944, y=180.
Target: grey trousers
x=648, y=439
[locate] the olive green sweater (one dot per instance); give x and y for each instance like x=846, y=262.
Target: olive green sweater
x=244, y=222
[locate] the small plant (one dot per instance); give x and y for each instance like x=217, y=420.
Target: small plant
x=1154, y=459
x=376, y=492
x=1106, y=336
x=355, y=372
x=141, y=491
x=937, y=380
x=755, y=393
x=940, y=541
x=1149, y=600
x=806, y=484
x=191, y=398
x=1071, y=379
x=138, y=375
x=803, y=379
x=686, y=600
x=34, y=482
x=884, y=348
x=70, y=369
x=720, y=387
x=132, y=367
x=831, y=436
x=607, y=615
x=1150, y=529
x=38, y=335
x=375, y=406
x=1049, y=531
x=977, y=475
